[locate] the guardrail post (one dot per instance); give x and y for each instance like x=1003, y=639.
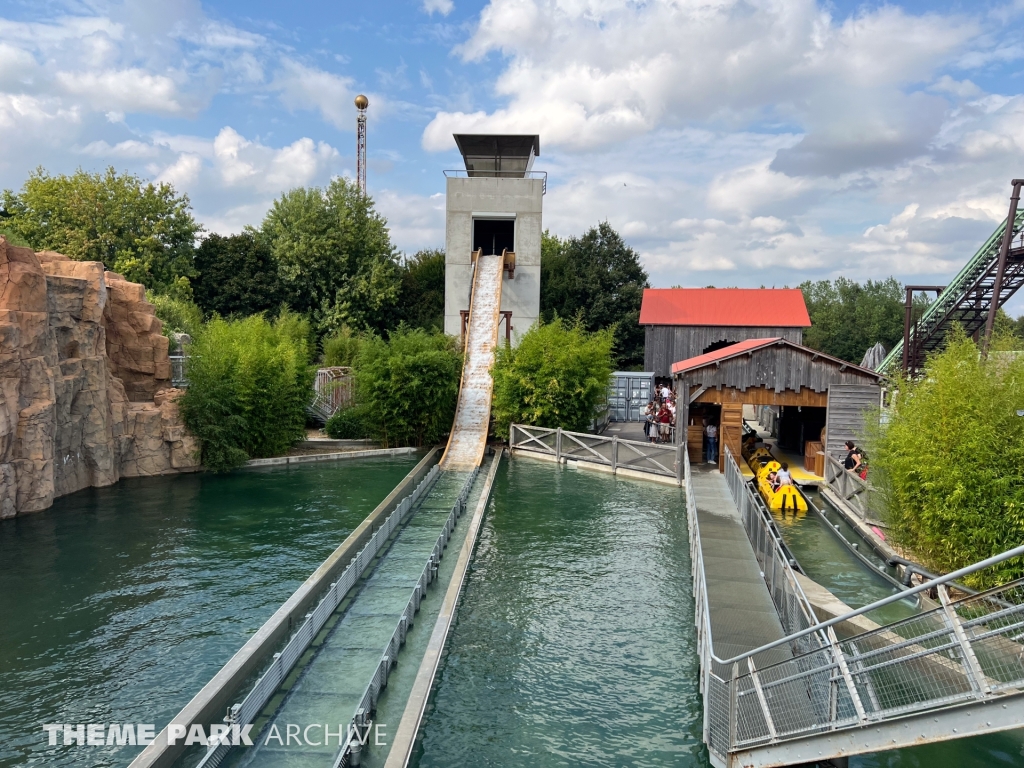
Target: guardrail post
x=615, y=453
x=558, y=445
x=734, y=704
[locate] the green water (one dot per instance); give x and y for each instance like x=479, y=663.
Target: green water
x=118, y=604
x=574, y=641
x=573, y=646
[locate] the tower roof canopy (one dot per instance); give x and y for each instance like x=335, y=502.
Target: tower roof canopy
x=501, y=155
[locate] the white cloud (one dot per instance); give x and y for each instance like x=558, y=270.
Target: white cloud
x=588, y=74
x=183, y=173
x=416, y=221
x=129, y=149
x=443, y=7
x=128, y=90
x=302, y=87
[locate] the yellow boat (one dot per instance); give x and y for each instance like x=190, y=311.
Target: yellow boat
x=785, y=497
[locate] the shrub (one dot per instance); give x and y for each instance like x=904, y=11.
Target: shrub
x=348, y=424
x=554, y=378
x=249, y=383
x=950, y=461
x=340, y=347
x=408, y=385
x=177, y=315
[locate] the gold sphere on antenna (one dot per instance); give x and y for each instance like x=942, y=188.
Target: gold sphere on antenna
x=362, y=102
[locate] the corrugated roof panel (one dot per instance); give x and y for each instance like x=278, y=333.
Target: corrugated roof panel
x=721, y=354
x=751, y=307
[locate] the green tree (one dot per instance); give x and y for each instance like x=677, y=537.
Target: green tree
x=141, y=230
x=408, y=385
x=598, y=278
x=555, y=377
x=236, y=275
x=249, y=384
x=341, y=347
x=950, y=460
x=422, y=298
x=847, y=317
x=177, y=315
x=337, y=263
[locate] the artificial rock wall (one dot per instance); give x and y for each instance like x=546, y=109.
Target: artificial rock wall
x=85, y=395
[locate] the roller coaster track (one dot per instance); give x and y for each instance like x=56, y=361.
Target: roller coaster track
x=468, y=438
x=966, y=300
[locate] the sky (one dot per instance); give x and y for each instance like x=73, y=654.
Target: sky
x=730, y=142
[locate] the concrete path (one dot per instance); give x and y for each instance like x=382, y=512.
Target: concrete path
x=743, y=615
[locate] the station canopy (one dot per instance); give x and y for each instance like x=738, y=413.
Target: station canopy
x=498, y=155
x=746, y=307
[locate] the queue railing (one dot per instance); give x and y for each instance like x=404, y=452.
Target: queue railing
x=969, y=650
x=654, y=458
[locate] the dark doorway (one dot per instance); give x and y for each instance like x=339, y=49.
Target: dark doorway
x=494, y=235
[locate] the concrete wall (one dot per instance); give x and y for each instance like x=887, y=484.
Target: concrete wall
x=491, y=198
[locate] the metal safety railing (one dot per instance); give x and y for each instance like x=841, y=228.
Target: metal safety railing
x=246, y=712
x=349, y=752
x=179, y=370
x=654, y=458
x=968, y=650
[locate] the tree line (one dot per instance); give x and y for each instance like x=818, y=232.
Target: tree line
x=319, y=281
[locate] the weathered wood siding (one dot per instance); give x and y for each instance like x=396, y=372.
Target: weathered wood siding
x=668, y=344
x=848, y=406
x=779, y=367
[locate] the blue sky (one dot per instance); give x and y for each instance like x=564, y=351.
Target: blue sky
x=732, y=142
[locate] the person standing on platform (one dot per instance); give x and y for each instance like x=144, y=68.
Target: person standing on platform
x=711, y=433
x=649, y=429
x=664, y=424
x=854, y=458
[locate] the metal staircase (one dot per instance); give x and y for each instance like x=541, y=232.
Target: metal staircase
x=966, y=300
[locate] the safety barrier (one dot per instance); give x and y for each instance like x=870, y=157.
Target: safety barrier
x=653, y=458
x=857, y=493
x=968, y=651
x=349, y=752
x=246, y=712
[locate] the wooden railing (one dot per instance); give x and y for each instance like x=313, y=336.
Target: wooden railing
x=858, y=494
x=653, y=458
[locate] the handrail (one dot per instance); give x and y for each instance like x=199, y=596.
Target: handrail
x=831, y=686
x=979, y=566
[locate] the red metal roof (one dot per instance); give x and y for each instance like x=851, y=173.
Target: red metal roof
x=720, y=354
x=757, y=307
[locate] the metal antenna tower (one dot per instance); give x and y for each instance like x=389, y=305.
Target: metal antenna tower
x=361, y=104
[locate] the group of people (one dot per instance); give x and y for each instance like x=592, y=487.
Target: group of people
x=660, y=415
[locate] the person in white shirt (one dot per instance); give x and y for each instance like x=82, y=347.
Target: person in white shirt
x=711, y=432
x=783, y=477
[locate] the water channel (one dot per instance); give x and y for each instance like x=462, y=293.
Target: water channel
x=118, y=604
x=573, y=645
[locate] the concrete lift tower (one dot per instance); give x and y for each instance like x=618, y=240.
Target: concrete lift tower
x=494, y=205
x=361, y=104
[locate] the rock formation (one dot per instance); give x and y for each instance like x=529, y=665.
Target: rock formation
x=85, y=395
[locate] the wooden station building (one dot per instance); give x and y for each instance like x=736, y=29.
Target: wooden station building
x=813, y=389
x=681, y=323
